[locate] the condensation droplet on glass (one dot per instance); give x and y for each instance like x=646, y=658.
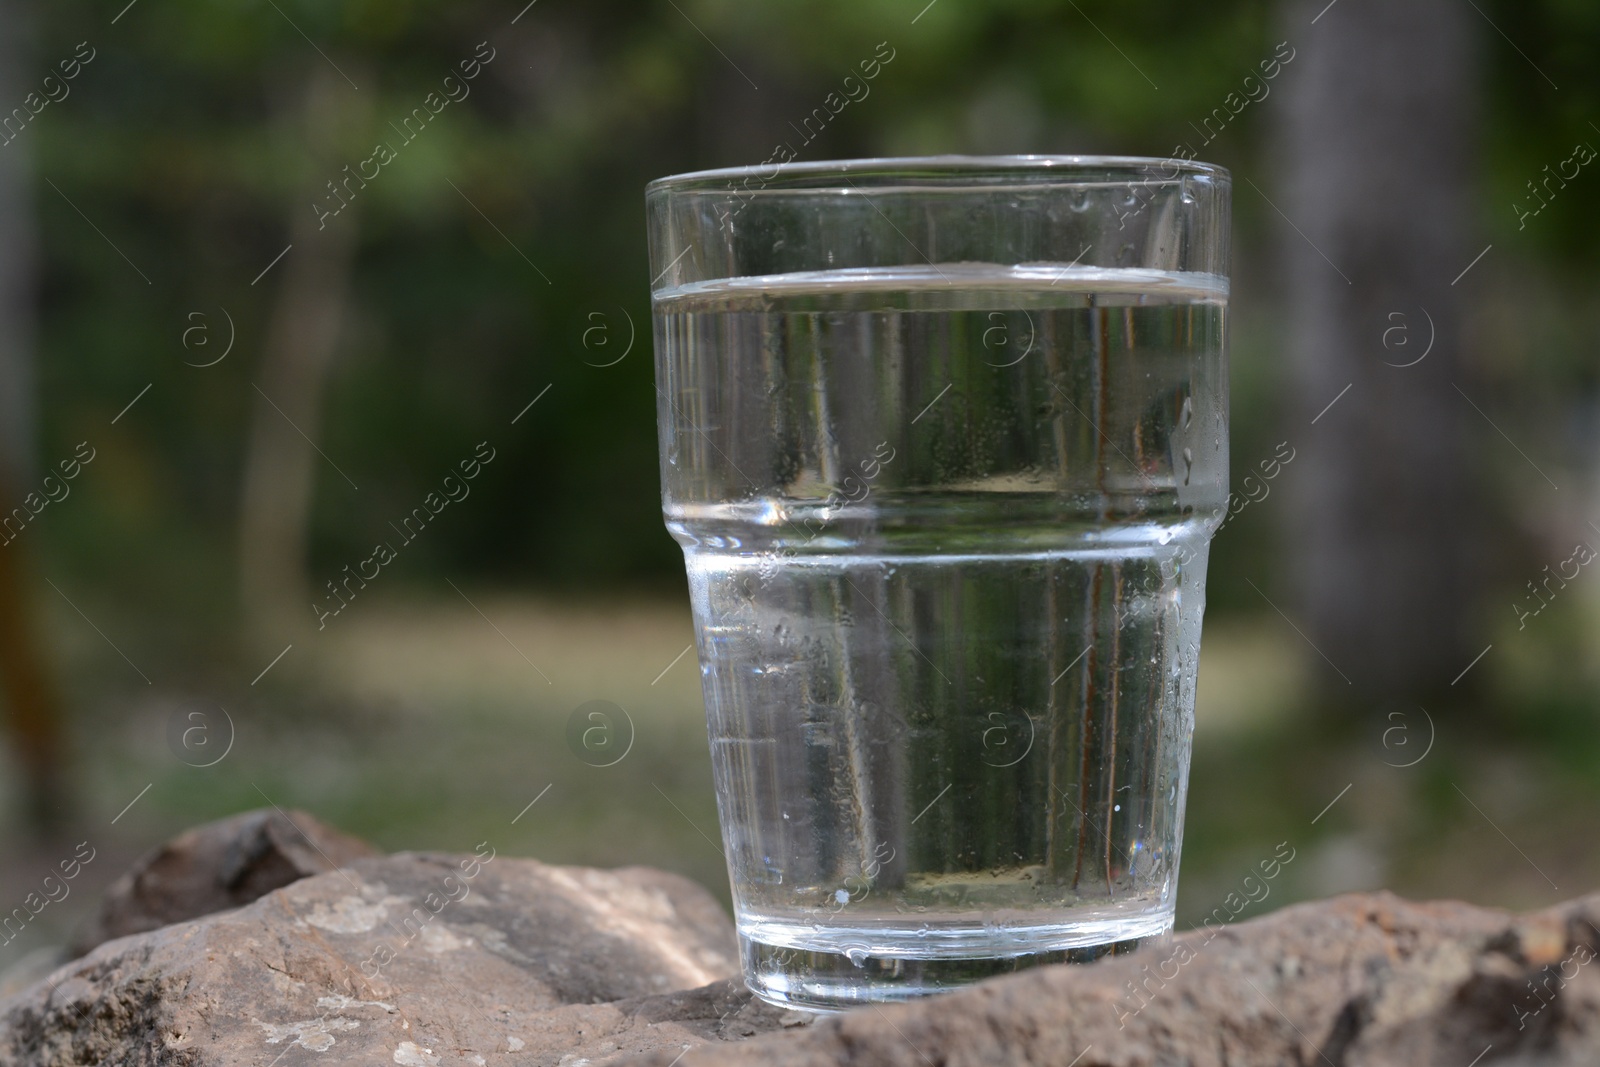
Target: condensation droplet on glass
x=1188, y=466
x=1188, y=411
x=857, y=955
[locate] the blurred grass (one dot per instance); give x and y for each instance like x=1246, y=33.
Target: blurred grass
x=423, y=724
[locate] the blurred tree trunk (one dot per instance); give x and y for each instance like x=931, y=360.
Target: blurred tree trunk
x=17, y=243
x=1379, y=108
x=282, y=463
x=32, y=703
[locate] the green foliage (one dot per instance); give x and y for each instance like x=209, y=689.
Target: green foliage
x=185, y=144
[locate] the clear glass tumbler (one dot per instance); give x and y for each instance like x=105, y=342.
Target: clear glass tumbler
x=944, y=441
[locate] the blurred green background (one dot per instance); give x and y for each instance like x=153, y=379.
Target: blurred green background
x=499, y=259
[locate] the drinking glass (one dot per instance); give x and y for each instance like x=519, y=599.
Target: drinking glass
x=944, y=441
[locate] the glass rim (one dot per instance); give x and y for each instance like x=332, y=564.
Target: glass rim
x=1063, y=170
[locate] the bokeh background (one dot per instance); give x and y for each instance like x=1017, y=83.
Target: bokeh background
x=269, y=364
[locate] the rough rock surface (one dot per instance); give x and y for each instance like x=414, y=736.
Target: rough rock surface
x=428, y=959
x=414, y=959
x=1359, y=981
x=217, y=866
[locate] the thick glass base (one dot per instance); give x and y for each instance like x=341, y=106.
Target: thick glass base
x=853, y=968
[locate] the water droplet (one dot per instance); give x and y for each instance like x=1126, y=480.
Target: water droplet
x=1188, y=411
x=857, y=955
x=1116, y=807
x=1188, y=465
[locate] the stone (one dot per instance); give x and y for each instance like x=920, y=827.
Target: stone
x=427, y=959
x=1358, y=981
x=220, y=865
x=416, y=958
